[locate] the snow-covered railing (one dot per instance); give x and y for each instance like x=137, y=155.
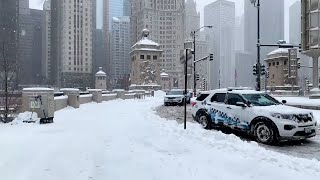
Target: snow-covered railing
x=60, y=102
x=108, y=97
x=130, y=96
x=85, y=98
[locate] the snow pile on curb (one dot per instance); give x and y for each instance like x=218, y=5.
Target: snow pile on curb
x=26, y=116
x=125, y=139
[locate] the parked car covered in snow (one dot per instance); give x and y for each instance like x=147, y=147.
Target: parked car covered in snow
x=258, y=114
x=175, y=97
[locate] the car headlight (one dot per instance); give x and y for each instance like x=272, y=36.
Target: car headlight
x=283, y=116
x=276, y=115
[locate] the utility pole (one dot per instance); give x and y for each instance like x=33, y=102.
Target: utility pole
x=194, y=65
x=185, y=89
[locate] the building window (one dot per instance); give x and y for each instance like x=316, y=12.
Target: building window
x=285, y=62
x=141, y=56
x=273, y=63
x=154, y=57
x=277, y=63
x=148, y=57
x=269, y=64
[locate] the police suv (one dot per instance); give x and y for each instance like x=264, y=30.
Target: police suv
x=256, y=113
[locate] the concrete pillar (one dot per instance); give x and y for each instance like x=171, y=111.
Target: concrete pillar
x=315, y=72
x=73, y=96
x=31, y=103
x=96, y=95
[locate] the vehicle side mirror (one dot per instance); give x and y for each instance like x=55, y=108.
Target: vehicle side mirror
x=241, y=104
x=284, y=101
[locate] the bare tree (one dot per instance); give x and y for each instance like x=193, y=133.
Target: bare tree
x=8, y=76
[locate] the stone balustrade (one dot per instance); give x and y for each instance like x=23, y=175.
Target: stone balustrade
x=72, y=97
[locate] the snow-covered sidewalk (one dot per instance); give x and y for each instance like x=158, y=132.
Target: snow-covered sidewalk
x=121, y=140
x=300, y=100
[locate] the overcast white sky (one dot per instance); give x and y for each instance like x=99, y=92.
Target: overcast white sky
x=37, y=4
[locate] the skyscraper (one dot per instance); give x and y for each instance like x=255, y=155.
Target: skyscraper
x=192, y=18
x=46, y=42
x=295, y=38
x=239, y=33
x=9, y=29
x=221, y=15
x=106, y=39
x=120, y=48
x=115, y=10
x=72, y=23
x=25, y=41
x=127, y=7
x=36, y=46
x=165, y=20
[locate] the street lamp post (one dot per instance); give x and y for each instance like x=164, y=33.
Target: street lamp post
x=187, y=47
x=193, y=34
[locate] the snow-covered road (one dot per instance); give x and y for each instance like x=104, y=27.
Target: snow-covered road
x=123, y=140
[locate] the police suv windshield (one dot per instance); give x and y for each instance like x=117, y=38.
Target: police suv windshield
x=261, y=99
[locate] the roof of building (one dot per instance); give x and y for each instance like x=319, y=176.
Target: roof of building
x=100, y=72
x=163, y=74
x=145, y=41
x=279, y=51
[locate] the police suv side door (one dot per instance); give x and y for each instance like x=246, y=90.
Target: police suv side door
x=237, y=116
x=218, y=109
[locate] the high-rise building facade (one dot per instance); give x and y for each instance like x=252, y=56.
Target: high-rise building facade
x=120, y=49
x=99, y=60
x=127, y=7
x=36, y=46
x=115, y=10
x=295, y=38
x=72, y=26
x=268, y=35
x=106, y=39
x=239, y=33
x=46, y=42
x=221, y=15
x=9, y=34
x=25, y=41
x=192, y=18
x=165, y=20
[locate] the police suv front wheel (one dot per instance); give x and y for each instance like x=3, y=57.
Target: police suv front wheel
x=265, y=133
x=204, y=121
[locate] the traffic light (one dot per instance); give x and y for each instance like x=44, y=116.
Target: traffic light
x=268, y=74
x=204, y=84
x=299, y=65
x=211, y=57
x=263, y=69
x=255, y=69
x=197, y=77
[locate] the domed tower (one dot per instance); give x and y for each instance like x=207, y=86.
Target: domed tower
x=101, y=79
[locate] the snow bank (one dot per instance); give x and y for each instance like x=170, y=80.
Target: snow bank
x=60, y=97
x=37, y=89
x=86, y=95
x=125, y=139
x=26, y=116
x=109, y=94
x=300, y=101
